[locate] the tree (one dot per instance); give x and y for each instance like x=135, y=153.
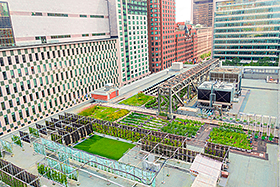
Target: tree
x=236, y=61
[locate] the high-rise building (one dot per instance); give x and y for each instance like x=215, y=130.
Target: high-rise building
x=161, y=27
x=204, y=40
x=132, y=25
x=52, y=56
x=202, y=12
x=247, y=29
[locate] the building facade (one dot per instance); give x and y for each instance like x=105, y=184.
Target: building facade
x=25, y=22
x=202, y=12
x=204, y=40
x=248, y=30
x=52, y=56
x=186, y=45
x=132, y=27
x=37, y=81
x=161, y=28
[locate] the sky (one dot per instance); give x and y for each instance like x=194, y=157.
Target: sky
x=183, y=10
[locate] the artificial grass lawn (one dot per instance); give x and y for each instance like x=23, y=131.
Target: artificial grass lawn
x=105, y=147
x=104, y=113
x=137, y=100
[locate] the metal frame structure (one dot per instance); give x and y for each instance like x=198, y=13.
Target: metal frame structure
x=173, y=90
x=18, y=173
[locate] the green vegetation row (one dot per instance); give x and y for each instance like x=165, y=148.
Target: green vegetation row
x=261, y=62
x=230, y=135
x=137, y=100
x=104, y=113
x=52, y=174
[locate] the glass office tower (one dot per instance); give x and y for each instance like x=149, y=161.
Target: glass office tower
x=247, y=29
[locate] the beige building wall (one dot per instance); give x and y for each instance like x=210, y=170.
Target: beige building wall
x=204, y=40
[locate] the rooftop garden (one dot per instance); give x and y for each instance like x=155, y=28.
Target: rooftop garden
x=105, y=147
x=137, y=100
x=104, y=113
x=182, y=127
x=230, y=135
x=144, y=121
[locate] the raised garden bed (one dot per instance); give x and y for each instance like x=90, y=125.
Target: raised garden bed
x=182, y=127
x=137, y=100
x=230, y=135
x=104, y=113
x=144, y=121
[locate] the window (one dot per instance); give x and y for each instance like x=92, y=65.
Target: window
x=45, y=105
x=39, y=107
x=33, y=110
x=4, y=75
x=1, y=61
x=24, y=99
x=8, y=89
x=6, y=119
x=9, y=60
x=11, y=103
x=26, y=71
x=27, y=112
x=19, y=73
x=22, y=86
x=28, y=84
x=15, y=87
x=18, y=102
x=35, y=83
x=58, y=14
x=3, y=106
x=12, y=74
x=20, y=114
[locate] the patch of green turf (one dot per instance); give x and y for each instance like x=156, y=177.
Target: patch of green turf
x=104, y=113
x=105, y=147
x=137, y=100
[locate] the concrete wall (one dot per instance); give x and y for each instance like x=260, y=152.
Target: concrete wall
x=26, y=26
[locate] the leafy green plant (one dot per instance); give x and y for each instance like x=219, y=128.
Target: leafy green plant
x=34, y=132
x=230, y=135
x=16, y=140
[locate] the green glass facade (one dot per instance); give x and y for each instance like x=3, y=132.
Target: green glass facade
x=247, y=29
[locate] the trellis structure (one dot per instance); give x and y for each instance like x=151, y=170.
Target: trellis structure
x=16, y=176
x=161, y=143
x=68, y=155
x=172, y=91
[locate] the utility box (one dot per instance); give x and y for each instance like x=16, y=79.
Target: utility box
x=105, y=94
x=177, y=66
x=221, y=92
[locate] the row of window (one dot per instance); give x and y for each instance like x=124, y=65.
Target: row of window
x=254, y=29
x=59, y=53
x=248, y=23
x=246, y=35
x=249, y=17
x=222, y=6
x=64, y=15
x=244, y=41
x=51, y=104
x=245, y=52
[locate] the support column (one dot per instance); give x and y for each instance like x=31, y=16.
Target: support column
x=170, y=102
x=159, y=92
